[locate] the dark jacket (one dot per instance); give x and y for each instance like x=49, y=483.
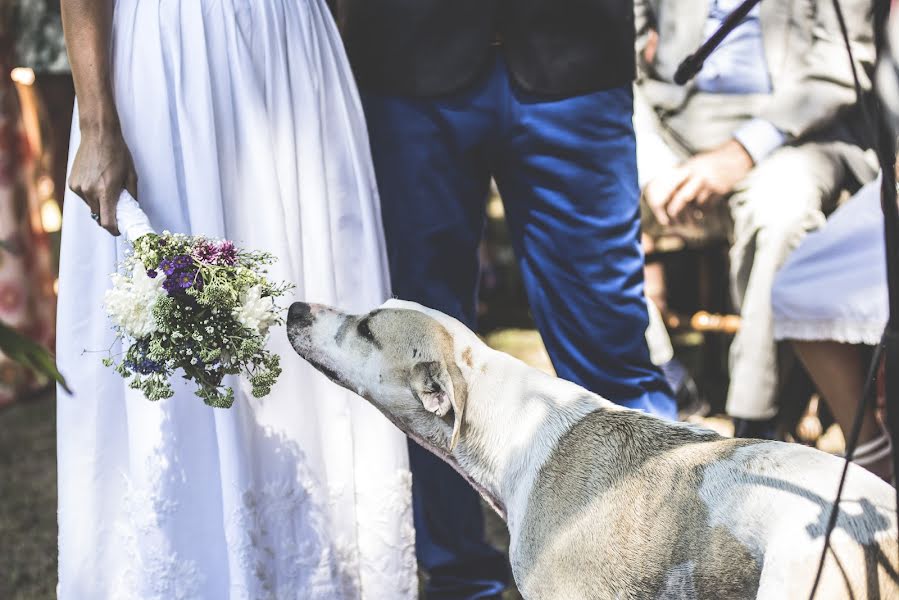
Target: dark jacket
x=433, y=47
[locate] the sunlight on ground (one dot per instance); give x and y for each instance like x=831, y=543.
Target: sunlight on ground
x=523, y=344
x=526, y=345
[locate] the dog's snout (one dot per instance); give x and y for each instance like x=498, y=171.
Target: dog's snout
x=300, y=314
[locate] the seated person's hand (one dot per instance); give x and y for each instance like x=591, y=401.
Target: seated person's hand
x=659, y=191
x=704, y=178
x=649, y=50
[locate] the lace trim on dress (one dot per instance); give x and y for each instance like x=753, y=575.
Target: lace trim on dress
x=152, y=569
x=393, y=503
x=845, y=331
x=279, y=535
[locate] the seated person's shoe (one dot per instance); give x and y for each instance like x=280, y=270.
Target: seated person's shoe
x=750, y=428
x=689, y=402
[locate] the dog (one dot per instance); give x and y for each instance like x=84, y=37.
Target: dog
x=603, y=501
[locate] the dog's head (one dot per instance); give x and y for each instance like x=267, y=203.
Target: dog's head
x=414, y=364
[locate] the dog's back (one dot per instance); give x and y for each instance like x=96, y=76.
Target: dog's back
x=605, y=502
x=629, y=506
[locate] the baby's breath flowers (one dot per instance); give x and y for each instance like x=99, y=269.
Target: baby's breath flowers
x=196, y=304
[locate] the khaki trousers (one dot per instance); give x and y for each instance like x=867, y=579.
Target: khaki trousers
x=784, y=197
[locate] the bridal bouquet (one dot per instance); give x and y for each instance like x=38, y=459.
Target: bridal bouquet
x=192, y=303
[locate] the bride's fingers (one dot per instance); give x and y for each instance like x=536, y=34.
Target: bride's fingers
x=85, y=194
x=108, y=202
x=131, y=183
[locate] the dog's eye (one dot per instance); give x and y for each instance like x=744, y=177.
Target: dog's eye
x=365, y=333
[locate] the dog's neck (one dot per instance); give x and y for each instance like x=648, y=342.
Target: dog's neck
x=515, y=418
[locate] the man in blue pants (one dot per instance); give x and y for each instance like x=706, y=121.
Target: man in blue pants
x=537, y=95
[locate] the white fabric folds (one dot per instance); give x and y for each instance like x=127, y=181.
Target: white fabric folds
x=244, y=123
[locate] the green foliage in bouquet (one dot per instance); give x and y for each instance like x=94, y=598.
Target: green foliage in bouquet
x=199, y=305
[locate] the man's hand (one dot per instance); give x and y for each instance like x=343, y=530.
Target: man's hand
x=658, y=192
x=704, y=178
x=652, y=44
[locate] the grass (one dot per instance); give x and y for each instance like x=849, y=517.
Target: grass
x=28, y=499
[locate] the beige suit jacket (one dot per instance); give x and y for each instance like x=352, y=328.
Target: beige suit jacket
x=806, y=59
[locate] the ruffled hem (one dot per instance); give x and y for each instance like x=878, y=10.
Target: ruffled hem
x=846, y=332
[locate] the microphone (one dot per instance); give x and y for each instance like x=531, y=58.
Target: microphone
x=690, y=66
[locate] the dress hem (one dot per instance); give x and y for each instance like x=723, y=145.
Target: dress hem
x=847, y=332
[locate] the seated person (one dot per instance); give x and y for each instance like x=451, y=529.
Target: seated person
x=767, y=132
x=830, y=298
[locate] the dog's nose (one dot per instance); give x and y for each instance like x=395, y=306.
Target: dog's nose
x=300, y=314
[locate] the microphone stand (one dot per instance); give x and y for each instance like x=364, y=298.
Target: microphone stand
x=886, y=154
x=885, y=145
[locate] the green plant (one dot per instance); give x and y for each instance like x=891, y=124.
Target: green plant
x=30, y=354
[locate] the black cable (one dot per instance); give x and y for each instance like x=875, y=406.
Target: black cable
x=881, y=138
x=851, y=443
x=882, y=141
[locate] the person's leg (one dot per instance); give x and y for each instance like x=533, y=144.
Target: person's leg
x=773, y=208
x=430, y=160
x=568, y=177
x=838, y=371
x=655, y=155
x=658, y=153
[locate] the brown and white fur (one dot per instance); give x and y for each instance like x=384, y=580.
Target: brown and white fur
x=601, y=501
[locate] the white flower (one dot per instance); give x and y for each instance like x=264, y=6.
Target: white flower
x=130, y=302
x=255, y=312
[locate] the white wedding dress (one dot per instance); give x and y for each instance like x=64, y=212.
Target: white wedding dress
x=244, y=123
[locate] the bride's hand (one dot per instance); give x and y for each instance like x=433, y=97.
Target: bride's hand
x=101, y=169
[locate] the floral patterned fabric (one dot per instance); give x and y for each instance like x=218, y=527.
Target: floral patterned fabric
x=27, y=300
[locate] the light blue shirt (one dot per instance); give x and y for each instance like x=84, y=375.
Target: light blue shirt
x=738, y=66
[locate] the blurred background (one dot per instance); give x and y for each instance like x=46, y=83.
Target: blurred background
x=36, y=95
x=36, y=98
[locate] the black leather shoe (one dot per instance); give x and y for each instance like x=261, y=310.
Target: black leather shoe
x=750, y=428
x=689, y=401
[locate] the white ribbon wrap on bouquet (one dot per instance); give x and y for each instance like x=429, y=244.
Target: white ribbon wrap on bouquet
x=132, y=220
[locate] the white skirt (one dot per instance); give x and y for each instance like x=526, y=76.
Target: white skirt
x=833, y=287
x=244, y=123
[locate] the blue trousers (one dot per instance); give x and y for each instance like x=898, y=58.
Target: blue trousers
x=567, y=173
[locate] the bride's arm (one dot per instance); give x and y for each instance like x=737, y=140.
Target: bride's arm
x=102, y=165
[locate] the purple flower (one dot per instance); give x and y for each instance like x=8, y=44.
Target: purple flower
x=222, y=253
x=181, y=273
x=144, y=367
x=152, y=273
x=205, y=252
x=140, y=363
x=227, y=253
x=168, y=267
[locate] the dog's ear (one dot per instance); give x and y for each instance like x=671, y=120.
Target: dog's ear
x=439, y=391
